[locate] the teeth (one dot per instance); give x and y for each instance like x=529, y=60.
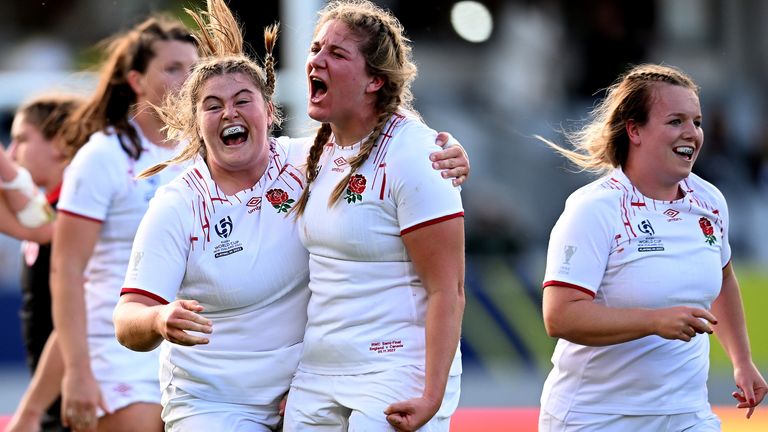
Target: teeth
x=685, y=150
x=232, y=130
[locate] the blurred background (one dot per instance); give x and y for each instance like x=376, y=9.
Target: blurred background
x=493, y=73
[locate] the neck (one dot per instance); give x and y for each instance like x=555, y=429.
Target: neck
x=151, y=126
x=234, y=181
x=351, y=132
x=652, y=186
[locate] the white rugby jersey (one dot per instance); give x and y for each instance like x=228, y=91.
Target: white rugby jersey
x=368, y=306
x=240, y=257
x=630, y=251
x=100, y=185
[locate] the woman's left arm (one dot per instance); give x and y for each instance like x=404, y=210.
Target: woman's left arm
x=731, y=331
x=437, y=253
x=452, y=160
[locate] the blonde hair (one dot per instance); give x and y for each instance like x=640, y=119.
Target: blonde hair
x=387, y=54
x=111, y=102
x=221, y=44
x=603, y=144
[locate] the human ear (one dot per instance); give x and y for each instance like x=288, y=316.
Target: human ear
x=633, y=131
x=374, y=84
x=136, y=81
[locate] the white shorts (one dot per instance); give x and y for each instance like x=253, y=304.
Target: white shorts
x=183, y=412
x=124, y=376
x=353, y=403
x=701, y=421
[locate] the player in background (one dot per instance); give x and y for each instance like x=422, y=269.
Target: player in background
x=639, y=271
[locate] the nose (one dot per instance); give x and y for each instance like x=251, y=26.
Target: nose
x=317, y=60
x=690, y=130
x=12, y=150
x=230, y=111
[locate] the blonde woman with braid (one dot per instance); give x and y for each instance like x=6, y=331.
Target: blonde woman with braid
x=639, y=271
x=385, y=236
x=218, y=277
x=112, y=136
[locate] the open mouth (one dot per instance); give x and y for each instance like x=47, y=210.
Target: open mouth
x=686, y=152
x=317, y=89
x=234, y=135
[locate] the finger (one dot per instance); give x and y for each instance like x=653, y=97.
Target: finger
x=446, y=154
x=182, y=338
x=458, y=181
x=707, y=315
x=191, y=305
x=443, y=138
x=738, y=397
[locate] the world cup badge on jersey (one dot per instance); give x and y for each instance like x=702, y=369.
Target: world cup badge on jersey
x=227, y=246
x=707, y=230
x=649, y=243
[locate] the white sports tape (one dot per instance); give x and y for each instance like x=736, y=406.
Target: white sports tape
x=36, y=213
x=22, y=183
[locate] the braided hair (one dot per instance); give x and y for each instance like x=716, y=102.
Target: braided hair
x=221, y=44
x=603, y=143
x=387, y=54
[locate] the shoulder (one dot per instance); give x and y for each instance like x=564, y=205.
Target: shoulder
x=704, y=189
x=605, y=192
x=405, y=136
x=101, y=145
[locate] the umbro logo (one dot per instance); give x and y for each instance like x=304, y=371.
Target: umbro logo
x=672, y=215
x=254, y=204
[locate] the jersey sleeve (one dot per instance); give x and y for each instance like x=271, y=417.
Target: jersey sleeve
x=96, y=174
x=160, y=249
x=421, y=195
x=725, y=250
x=580, y=244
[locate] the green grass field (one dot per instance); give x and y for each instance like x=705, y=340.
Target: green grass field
x=754, y=291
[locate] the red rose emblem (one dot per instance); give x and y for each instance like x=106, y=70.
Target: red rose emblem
x=357, y=183
x=277, y=196
x=707, y=230
x=279, y=200
x=355, y=188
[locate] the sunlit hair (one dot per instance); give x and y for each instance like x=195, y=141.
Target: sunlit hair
x=387, y=54
x=48, y=113
x=603, y=144
x=221, y=44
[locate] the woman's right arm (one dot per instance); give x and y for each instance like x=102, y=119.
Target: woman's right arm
x=572, y=315
x=141, y=322
x=74, y=241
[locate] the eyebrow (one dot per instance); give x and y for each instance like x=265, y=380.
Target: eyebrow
x=245, y=90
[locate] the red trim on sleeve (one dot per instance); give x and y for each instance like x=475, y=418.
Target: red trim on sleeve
x=81, y=216
x=144, y=293
x=431, y=222
x=568, y=285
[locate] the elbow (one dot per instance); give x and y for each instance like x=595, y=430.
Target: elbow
x=554, y=325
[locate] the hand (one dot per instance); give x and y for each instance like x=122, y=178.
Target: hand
x=80, y=398
x=409, y=415
x=752, y=387
x=452, y=160
x=682, y=322
x=180, y=316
